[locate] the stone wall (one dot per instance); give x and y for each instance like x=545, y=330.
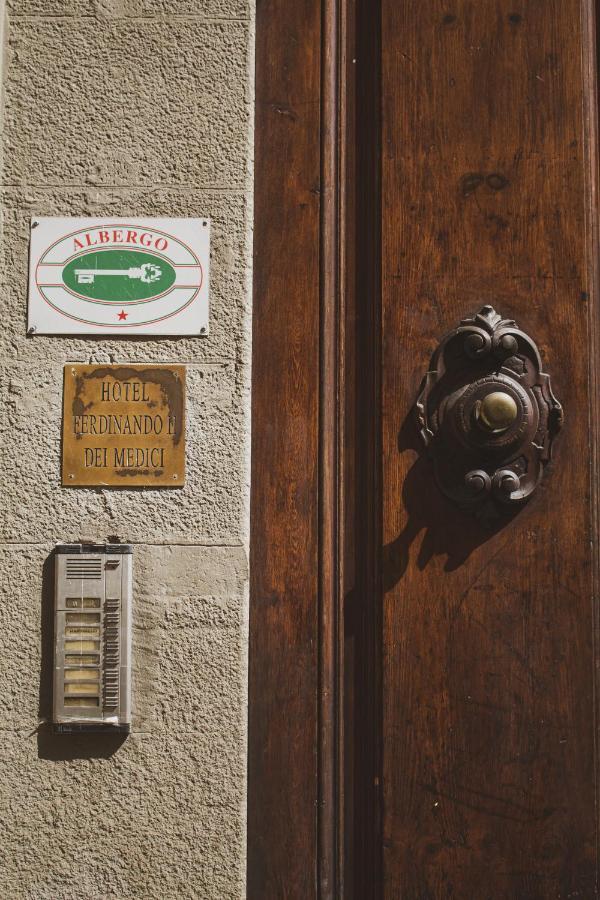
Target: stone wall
x=125, y=108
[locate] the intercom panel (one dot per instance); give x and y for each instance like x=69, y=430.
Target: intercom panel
x=92, y=637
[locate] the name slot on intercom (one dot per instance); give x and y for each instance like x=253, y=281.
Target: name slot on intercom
x=92, y=638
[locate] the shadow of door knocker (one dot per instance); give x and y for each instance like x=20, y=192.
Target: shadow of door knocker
x=487, y=414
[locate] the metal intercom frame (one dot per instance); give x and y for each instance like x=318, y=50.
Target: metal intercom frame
x=92, y=637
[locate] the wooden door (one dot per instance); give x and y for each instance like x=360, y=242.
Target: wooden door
x=488, y=175
x=423, y=712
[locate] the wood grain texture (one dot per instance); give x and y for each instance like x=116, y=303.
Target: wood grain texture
x=488, y=655
x=331, y=458
x=466, y=175
x=284, y=626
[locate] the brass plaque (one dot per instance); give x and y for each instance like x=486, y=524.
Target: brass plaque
x=123, y=426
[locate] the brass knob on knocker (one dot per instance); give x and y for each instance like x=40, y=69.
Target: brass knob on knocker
x=496, y=412
x=487, y=414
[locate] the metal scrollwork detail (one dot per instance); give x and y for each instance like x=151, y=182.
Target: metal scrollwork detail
x=487, y=414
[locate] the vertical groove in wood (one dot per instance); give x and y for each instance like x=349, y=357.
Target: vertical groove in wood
x=330, y=450
x=363, y=614
x=591, y=51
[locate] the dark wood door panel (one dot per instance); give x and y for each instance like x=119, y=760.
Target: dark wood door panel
x=284, y=643
x=488, y=645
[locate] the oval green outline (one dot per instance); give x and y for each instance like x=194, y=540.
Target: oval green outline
x=113, y=288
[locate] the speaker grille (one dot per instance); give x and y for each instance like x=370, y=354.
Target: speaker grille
x=82, y=568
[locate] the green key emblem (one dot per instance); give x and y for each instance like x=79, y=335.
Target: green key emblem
x=119, y=276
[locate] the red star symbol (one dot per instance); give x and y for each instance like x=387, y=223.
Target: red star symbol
x=122, y=314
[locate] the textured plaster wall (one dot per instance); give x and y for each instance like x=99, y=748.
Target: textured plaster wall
x=128, y=107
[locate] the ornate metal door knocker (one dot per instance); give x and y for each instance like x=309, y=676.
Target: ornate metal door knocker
x=487, y=414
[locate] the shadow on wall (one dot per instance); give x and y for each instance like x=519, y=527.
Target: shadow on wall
x=62, y=746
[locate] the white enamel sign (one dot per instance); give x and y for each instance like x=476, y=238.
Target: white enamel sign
x=119, y=276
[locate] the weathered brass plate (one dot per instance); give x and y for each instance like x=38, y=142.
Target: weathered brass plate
x=123, y=426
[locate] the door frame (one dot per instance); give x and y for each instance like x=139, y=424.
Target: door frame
x=296, y=545
x=314, y=673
